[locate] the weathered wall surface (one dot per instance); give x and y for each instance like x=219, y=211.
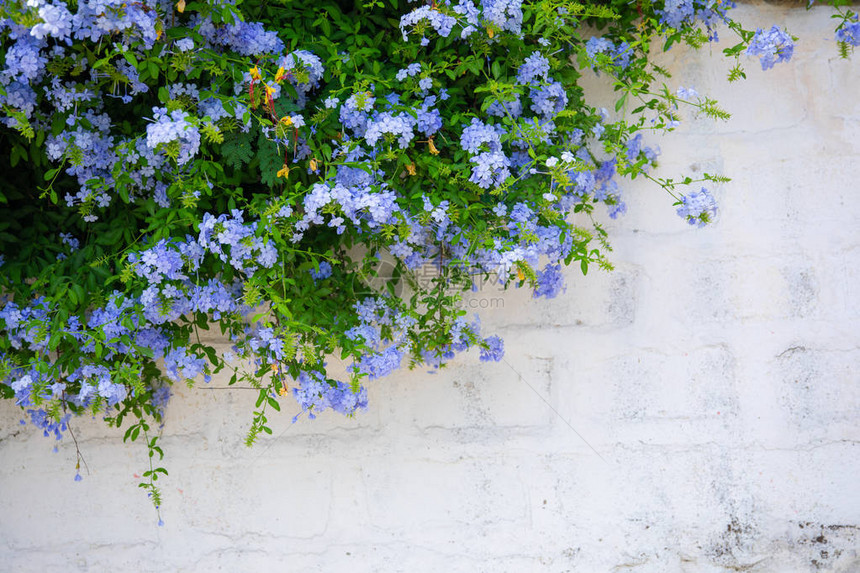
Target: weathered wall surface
x=697, y=410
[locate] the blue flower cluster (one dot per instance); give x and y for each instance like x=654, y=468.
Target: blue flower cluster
x=409, y=71
x=849, y=33
x=550, y=282
x=535, y=67
x=619, y=55
x=246, y=38
x=491, y=165
x=681, y=13
x=383, y=354
x=698, y=208
x=492, y=16
x=635, y=149
x=493, y=349
x=316, y=394
x=170, y=127
x=91, y=145
x=246, y=249
x=426, y=15
x=324, y=271
x=772, y=46
x=399, y=126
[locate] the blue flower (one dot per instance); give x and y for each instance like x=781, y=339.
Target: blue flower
x=408, y=72
x=354, y=112
x=550, y=282
x=503, y=108
x=620, y=55
x=399, y=125
x=535, y=67
x=491, y=169
x=687, y=93
x=477, y=135
x=324, y=271
x=441, y=23
x=428, y=121
x=380, y=364
x=504, y=14
x=173, y=126
x=681, y=13
x=772, y=46
x=185, y=44
x=493, y=349
x=304, y=61
x=315, y=394
x=698, y=208
x=56, y=22
x=849, y=34
x=548, y=100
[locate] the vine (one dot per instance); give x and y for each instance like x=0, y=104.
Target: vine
x=317, y=180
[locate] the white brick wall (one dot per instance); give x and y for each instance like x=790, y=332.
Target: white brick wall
x=714, y=376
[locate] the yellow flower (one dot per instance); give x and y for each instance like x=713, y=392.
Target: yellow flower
x=433, y=150
x=313, y=164
x=285, y=173
x=490, y=33
x=255, y=73
x=520, y=275
x=180, y=6
x=280, y=75
x=287, y=120
x=410, y=168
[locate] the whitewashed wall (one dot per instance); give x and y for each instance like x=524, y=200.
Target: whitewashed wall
x=696, y=410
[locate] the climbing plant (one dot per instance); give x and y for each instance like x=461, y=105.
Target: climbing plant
x=281, y=171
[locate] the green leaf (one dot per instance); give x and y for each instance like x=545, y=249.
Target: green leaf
x=271, y=161
x=237, y=150
x=129, y=57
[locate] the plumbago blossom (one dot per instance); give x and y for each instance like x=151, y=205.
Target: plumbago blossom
x=323, y=207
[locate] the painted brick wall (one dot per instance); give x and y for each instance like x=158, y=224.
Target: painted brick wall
x=694, y=411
